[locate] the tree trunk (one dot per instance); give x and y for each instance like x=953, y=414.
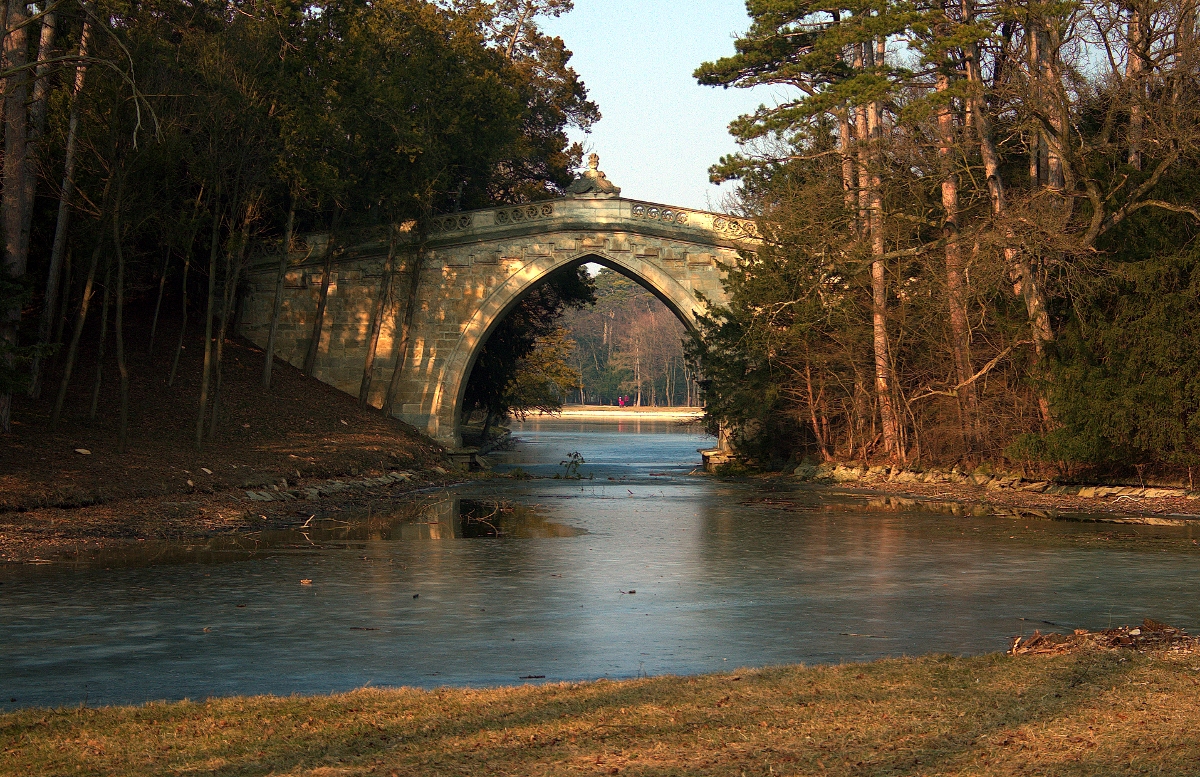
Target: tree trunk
x=41, y=84
x=582, y=394
x=122, y=369
x=879, y=340
x=3, y=26
x=861, y=133
x=314, y=344
x=73, y=349
x=64, y=303
x=187, y=265
x=183, y=308
x=385, y=291
x=1037, y=148
x=37, y=128
x=956, y=294
x=16, y=146
x=218, y=358
x=276, y=311
x=37, y=124
x=818, y=433
x=1025, y=283
x=64, y=212
x=162, y=284
x=235, y=258
x=846, y=142
x=206, y=372
x=870, y=180
x=410, y=307
x=1051, y=84
x=637, y=370
x=16, y=253
x=893, y=433
x=95, y=406
x=845, y=148
x=527, y=9
x=1134, y=68
x=669, y=386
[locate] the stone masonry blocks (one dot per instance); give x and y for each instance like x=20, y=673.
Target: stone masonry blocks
x=469, y=282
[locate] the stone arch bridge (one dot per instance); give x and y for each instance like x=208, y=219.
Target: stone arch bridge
x=475, y=267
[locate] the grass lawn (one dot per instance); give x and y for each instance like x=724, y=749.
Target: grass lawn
x=1087, y=713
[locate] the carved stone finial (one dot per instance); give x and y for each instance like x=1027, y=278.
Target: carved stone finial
x=593, y=182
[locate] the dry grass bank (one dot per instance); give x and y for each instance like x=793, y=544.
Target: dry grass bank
x=300, y=428
x=1087, y=713
x=55, y=500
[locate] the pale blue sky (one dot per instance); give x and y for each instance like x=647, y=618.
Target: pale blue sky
x=661, y=130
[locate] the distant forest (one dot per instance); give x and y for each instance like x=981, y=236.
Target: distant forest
x=628, y=344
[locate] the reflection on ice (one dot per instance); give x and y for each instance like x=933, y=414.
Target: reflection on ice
x=443, y=517
x=507, y=579
x=478, y=519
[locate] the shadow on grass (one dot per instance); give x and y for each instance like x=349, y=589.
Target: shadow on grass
x=906, y=716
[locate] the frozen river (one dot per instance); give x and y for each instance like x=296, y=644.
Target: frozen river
x=639, y=568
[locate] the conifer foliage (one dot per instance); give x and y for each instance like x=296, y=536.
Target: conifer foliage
x=979, y=226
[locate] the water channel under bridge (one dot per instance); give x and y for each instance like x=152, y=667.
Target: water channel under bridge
x=475, y=266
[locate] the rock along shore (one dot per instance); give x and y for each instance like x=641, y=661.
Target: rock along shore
x=1137, y=504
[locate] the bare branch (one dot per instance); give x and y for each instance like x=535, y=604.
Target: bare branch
x=953, y=392
x=1117, y=216
x=1193, y=212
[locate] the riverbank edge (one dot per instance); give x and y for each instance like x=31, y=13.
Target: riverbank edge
x=1089, y=711
x=60, y=534
x=1008, y=492
x=603, y=413
x=53, y=534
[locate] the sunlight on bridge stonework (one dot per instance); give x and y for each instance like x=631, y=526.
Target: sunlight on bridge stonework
x=474, y=268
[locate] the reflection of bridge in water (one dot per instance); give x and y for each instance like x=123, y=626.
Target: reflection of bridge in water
x=476, y=266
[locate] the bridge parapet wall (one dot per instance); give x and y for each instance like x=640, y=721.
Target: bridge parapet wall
x=473, y=272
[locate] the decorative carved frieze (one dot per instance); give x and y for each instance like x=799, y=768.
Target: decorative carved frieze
x=648, y=212
x=451, y=223
x=737, y=228
x=523, y=213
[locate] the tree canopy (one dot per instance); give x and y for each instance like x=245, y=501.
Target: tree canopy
x=980, y=224
x=176, y=140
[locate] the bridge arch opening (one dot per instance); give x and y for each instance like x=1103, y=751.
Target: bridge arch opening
x=679, y=300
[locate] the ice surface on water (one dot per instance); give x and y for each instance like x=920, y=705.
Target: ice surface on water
x=725, y=574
